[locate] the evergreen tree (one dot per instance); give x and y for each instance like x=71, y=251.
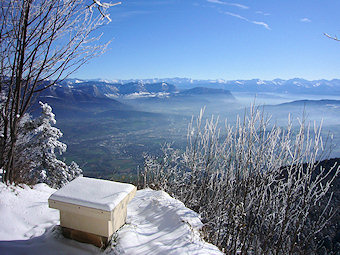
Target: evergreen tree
x=36, y=151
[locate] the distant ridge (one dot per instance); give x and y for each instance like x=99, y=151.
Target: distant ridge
x=323, y=102
x=293, y=86
x=205, y=91
x=77, y=98
x=86, y=99
x=84, y=90
x=138, y=87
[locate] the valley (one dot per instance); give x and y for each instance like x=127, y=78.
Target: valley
x=106, y=147
x=108, y=128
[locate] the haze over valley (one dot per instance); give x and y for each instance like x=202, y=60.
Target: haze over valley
x=109, y=125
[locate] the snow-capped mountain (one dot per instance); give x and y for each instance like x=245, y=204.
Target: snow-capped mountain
x=114, y=89
x=101, y=95
x=172, y=85
x=140, y=86
x=292, y=86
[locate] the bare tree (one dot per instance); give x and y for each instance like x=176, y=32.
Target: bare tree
x=332, y=37
x=257, y=186
x=41, y=43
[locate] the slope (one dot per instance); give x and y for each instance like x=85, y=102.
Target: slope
x=156, y=224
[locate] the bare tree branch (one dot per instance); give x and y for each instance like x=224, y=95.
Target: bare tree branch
x=41, y=43
x=332, y=37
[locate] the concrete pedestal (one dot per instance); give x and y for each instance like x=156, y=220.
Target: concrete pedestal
x=91, y=210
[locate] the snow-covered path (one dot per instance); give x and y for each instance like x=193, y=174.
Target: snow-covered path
x=159, y=224
x=156, y=224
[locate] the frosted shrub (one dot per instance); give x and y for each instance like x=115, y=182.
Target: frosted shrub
x=254, y=185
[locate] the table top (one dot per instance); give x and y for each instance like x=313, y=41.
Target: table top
x=94, y=193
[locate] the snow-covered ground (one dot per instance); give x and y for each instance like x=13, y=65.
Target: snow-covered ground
x=156, y=224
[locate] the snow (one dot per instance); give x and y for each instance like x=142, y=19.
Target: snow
x=111, y=95
x=146, y=95
x=159, y=224
x=260, y=82
x=49, y=96
x=95, y=193
x=21, y=208
x=221, y=81
x=138, y=95
x=156, y=224
x=105, y=81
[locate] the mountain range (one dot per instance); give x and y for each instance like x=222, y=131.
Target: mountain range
x=77, y=98
x=291, y=86
x=99, y=92
x=173, y=86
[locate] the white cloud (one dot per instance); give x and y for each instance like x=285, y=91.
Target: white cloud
x=236, y=16
x=306, y=20
x=266, y=26
x=241, y=6
x=260, y=23
x=215, y=1
x=262, y=13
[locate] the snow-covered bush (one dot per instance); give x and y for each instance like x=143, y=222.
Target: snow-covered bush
x=257, y=186
x=36, y=149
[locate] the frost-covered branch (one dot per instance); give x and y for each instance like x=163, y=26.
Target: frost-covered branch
x=41, y=43
x=102, y=7
x=332, y=37
x=257, y=186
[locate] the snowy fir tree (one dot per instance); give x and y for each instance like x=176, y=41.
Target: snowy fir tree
x=36, y=151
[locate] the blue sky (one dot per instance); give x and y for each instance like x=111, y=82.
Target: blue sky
x=217, y=39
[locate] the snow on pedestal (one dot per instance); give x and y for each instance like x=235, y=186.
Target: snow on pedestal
x=91, y=210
